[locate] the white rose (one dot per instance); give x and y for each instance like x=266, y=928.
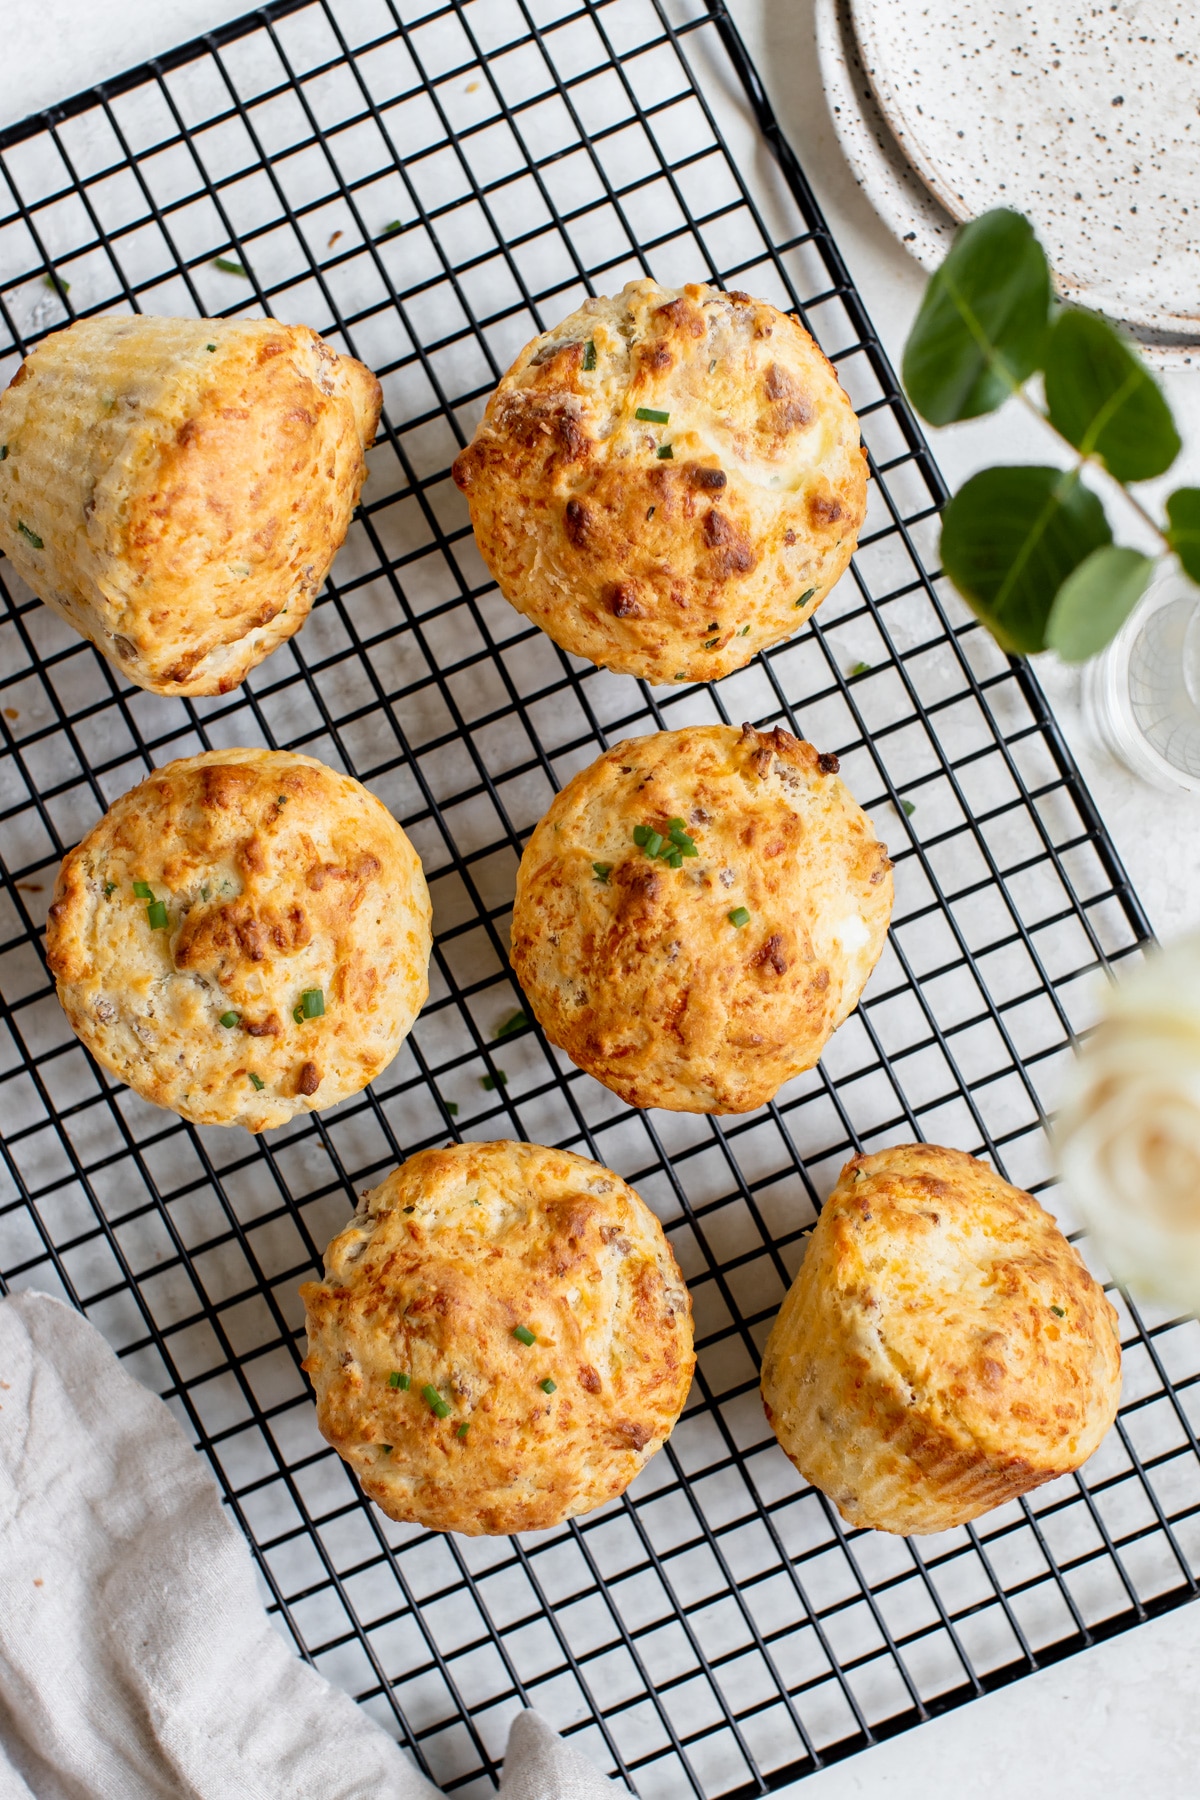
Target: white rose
x=1129, y=1130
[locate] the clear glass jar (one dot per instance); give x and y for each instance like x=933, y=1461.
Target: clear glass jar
x=1142, y=694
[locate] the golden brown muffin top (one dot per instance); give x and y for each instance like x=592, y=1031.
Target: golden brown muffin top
x=957, y=1295
x=502, y=1338
x=668, y=481
x=702, y=987
x=177, y=487
x=943, y=1347
x=242, y=886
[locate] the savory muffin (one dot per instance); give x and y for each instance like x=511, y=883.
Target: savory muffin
x=502, y=1338
x=943, y=1349
x=177, y=488
x=668, y=482
x=697, y=912
x=243, y=937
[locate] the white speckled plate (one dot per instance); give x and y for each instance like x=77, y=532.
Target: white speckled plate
x=876, y=160
x=1082, y=113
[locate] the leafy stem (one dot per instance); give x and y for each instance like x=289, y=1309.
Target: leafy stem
x=1033, y=538
x=1031, y=549
x=1089, y=460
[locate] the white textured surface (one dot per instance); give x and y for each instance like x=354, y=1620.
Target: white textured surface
x=1121, y=1718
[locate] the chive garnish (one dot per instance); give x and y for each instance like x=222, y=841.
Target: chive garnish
x=397, y=1380
x=228, y=267
x=451, y=1107
x=517, y=1022
x=210, y=348
x=142, y=890
x=463, y=1429
x=650, y=514
x=386, y=1449
x=523, y=1335
x=489, y=1083
x=806, y=595
x=739, y=916
x=548, y=1386
x=648, y=415
x=909, y=808
x=156, y=913
x=712, y=365
x=109, y=889
x=312, y=1003
x=711, y=643
x=1059, y=1311
x=589, y=356
x=745, y=631
x=258, y=1081
x=3, y=452
x=56, y=283
x=665, y=453
x=229, y=1020
x=434, y=1401
x=33, y=537
x=861, y=668
x=672, y=848
x=391, y=229
x=602, y=871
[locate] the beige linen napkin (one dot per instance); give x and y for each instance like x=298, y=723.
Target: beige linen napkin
x=136, y=1661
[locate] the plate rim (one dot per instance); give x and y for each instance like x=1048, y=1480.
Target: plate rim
x=864, y=15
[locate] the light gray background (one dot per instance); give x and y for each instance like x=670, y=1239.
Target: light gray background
x=1121, y=1718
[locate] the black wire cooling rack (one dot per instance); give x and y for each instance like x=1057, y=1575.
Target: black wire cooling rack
x=429, y=185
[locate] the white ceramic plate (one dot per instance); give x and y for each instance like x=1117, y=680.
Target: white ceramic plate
x=876, y=160
x=1081, y=114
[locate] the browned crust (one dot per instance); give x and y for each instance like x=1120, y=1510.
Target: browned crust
x=681, y=568
x=190, y=482
x=641, y=977
x=442, y=1261
x=279, y=876
x=943, y=1348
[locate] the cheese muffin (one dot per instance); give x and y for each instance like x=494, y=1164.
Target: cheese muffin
x=943, y=1349
x=697, y=913
x=243, y=937
x=668, y=482
x=502, y=1339
x=177, y=488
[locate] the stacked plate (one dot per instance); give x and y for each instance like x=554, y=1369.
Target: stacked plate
x=1083, y=116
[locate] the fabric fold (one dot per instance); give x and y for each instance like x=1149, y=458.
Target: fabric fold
x=136, y=1660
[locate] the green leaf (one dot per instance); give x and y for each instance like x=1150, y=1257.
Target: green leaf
x=1010, y=538
x=1183, y=533
x=1103, y=399
x=982, y=327
x=1095, y=600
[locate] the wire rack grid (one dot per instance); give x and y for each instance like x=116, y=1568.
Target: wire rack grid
x=429, y=184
